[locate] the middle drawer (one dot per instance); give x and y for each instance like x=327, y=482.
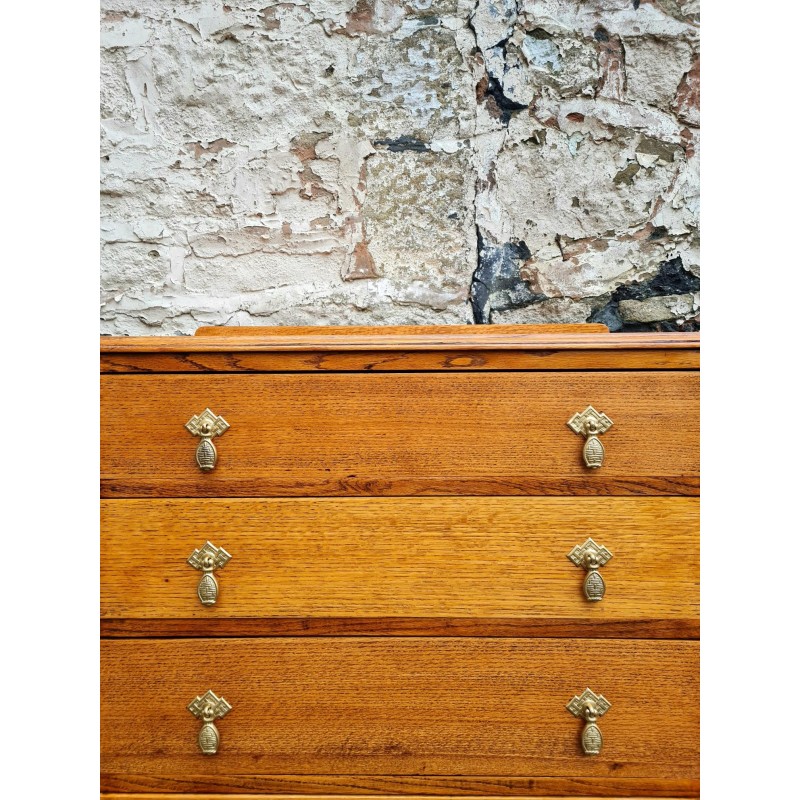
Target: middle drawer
x=443, y=565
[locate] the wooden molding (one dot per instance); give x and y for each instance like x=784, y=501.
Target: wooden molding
x=399, y=339
x=393, y=349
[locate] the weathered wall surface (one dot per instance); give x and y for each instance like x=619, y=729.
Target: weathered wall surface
x=390, y=162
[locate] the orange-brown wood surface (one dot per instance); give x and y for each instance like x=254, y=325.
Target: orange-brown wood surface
x=339, y=686
x=400, y=706
x=400, y=434
x=444, y=565
x=232, y=360
x=449, y=348
x=194, y=796
x=440, y=786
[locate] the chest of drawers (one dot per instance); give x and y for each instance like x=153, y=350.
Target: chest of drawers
x=398, y=557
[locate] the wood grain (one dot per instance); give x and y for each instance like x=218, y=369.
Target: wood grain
x=400, y=713
x=496, y=337
x=450, y=348
x=193, y=796
x=499, y=563
x=426, y=706
x=542, y=627
x=390, y=434
x=442, y=787
x=399, y=361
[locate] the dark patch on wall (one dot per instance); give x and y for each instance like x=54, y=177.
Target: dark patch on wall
x=651, y=146
x=496, y=283
x=505, y=106
x=636, y=4
x=490, y=91
x=627, y=174
x=672, y=278
x=402, y=144
x=608, y=315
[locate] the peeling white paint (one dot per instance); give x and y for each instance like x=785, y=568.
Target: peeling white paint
x=542, y=53
x=334, y=161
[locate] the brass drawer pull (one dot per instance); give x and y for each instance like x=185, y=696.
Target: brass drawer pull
x=589, y=707
x=208, y=558
x=206, y=425
x=207, y=708
x=591, y=423
x=591, y=556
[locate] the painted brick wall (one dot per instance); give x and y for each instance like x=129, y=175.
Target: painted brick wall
x=389, y=162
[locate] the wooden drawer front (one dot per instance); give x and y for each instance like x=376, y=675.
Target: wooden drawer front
x=489, y=566
x=399, y=434
x=399, y=706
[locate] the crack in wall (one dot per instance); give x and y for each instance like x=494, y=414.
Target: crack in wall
x=496, y=283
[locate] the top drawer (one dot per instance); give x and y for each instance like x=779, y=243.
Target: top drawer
x=501, y=433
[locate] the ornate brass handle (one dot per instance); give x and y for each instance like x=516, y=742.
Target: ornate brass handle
x=591, y=556
x=208, y=558
x=206, y=425
x=208, y=707
x=591, y=423
x=589, y=707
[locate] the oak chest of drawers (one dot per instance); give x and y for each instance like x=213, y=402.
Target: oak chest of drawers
x=400, y=561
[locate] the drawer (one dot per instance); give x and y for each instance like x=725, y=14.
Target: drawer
x=499, y=433
x=416, y=707
x=492, y=566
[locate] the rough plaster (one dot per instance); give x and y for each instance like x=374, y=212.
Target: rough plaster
x=389, y=162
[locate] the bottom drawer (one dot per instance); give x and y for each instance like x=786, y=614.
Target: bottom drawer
x=412, y=715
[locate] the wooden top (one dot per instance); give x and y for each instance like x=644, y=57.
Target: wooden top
x=443, y=337
x=455, y=347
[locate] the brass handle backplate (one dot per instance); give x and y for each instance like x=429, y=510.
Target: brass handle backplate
x=589, y=707
x=591, y=556
x=206, y=425
x=208, y=558
x=208, y=707
x=591, y=423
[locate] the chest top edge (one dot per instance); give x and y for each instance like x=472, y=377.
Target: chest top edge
x=382, y=349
